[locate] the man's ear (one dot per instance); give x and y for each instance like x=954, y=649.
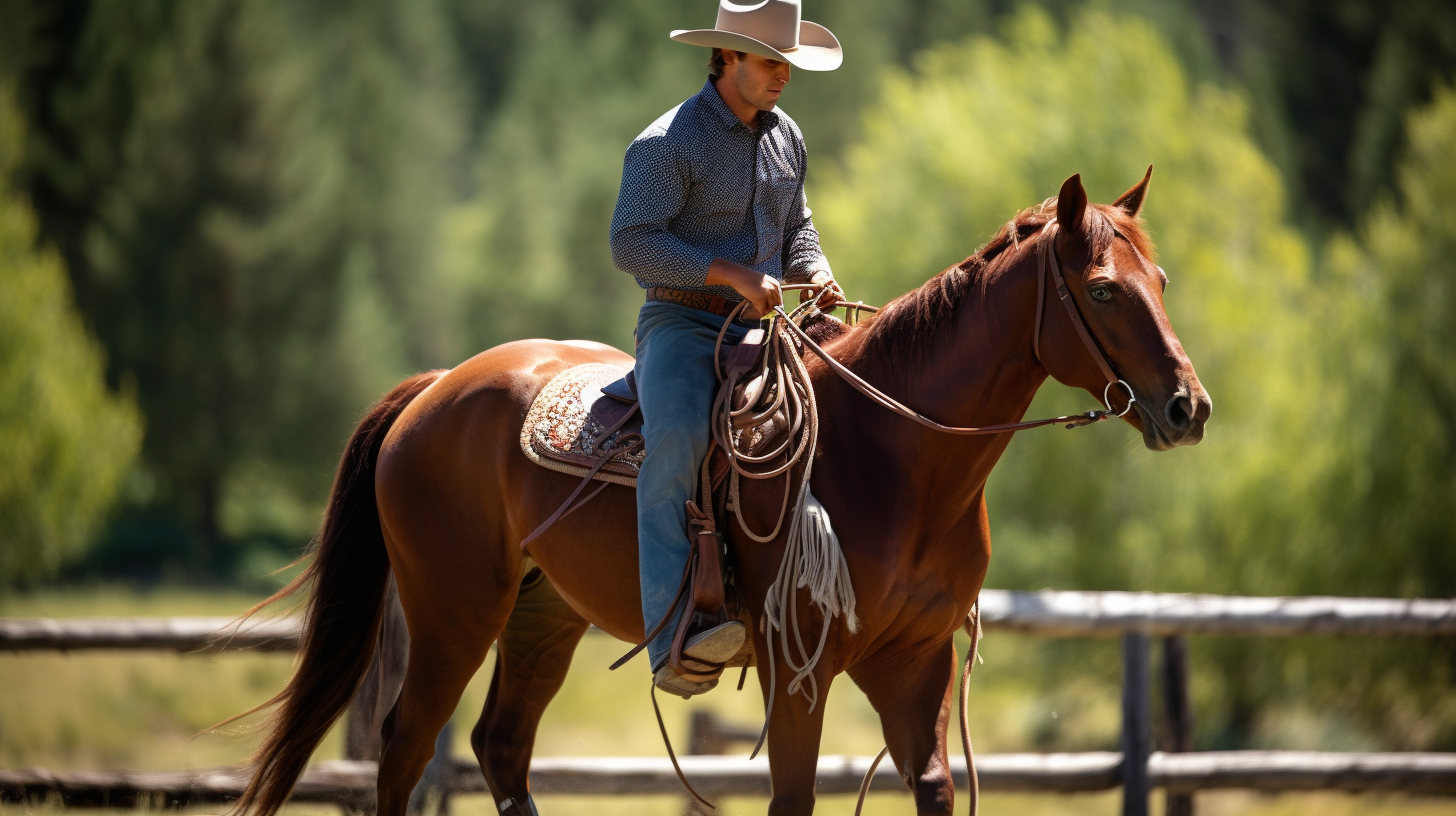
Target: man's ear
x=1072, y=204
x=1131, y=201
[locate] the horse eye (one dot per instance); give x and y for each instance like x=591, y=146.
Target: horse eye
x=1102, y=292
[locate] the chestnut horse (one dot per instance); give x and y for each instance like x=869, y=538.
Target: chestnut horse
x=434, y=488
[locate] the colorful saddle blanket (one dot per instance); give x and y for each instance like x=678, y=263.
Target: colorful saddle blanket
x=567, y=419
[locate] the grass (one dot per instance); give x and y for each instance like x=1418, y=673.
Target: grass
x=145, y=711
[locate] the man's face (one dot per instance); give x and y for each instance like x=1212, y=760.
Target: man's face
x=759, y=80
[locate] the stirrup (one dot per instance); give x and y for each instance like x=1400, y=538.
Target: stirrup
x=680, y=686
x=701, y=656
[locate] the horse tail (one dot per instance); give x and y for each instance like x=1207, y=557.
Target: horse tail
x=348, y=575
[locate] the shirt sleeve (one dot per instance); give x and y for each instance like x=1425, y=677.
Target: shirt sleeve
x=802, y=254
x=654, y=187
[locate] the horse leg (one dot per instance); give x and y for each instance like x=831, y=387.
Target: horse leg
x=793, y=739
x=532, y=657
x=913, y=698
x=455, y=610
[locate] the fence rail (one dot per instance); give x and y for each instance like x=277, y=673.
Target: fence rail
x=146, y=634
x=1136, y=617
x=351, y=782
x=1047, y=614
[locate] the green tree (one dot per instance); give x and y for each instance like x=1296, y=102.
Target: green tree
x=1330, y=82
x=66, y=442
x=1400, y=484
x=247, y=201
x=1388, y=292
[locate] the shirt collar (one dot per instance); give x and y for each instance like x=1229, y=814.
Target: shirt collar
x=726, y=117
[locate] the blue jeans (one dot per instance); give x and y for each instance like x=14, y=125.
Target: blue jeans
x=676, y=384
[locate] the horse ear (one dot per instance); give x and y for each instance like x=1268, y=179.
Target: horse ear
x=1131, y=201
x=1071, y=204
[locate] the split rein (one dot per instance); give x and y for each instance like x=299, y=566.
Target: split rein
x=1051, y=267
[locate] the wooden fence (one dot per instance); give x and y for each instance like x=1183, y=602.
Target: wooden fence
x=1136, y=617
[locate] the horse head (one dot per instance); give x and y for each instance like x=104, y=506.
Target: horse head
x=1107, y=261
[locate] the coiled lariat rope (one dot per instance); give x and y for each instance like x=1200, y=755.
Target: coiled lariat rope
x=781, y=393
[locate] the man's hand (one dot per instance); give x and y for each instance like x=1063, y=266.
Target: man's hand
x=761, y=291
x=826, y=291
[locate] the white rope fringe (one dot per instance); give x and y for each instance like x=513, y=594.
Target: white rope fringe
x=818, y=564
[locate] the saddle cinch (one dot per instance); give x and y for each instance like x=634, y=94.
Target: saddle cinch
x=586, y=421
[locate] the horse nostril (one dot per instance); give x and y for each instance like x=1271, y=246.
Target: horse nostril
x=1179, y=412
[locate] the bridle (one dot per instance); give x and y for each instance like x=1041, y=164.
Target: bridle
x=1050, y=260
x=1051, y=267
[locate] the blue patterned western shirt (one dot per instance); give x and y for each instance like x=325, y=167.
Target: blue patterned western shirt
x=698, y=184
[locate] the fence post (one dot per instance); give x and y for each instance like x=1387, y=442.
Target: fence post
x=1136, y=725
x=1178, y=713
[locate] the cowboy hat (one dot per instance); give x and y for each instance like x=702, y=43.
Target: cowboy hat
x=769, y=28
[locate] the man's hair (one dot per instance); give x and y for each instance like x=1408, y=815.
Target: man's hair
x=716, y=63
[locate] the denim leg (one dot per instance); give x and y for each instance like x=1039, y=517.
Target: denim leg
x=676, y=384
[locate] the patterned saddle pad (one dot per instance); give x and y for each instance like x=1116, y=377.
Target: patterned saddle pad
x=569, y=414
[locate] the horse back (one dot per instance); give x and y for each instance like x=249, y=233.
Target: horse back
x=457, y=495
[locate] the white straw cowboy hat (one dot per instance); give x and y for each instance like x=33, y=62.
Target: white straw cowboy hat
x=769, y=28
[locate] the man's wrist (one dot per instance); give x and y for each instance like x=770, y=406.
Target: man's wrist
x=727, y=273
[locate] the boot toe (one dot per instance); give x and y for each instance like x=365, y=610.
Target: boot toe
x=716, y=645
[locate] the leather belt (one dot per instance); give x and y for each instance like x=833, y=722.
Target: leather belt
x=713, y=304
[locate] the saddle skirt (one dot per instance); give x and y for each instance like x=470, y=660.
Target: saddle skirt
x=568, y=417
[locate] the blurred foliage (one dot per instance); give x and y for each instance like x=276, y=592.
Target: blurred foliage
x=1386, y=501
x=247, y=201
x=66, y=441
x=1331, y=81
x=1401, y=376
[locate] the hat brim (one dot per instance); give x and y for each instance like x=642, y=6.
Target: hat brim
x=818, y=49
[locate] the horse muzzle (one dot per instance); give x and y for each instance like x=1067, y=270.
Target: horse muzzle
x=1176, y=420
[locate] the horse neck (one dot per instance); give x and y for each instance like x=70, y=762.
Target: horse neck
x=981, y=372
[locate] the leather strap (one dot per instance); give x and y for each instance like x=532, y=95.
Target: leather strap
x=672, y=755
x=1050, y=266
x=887, y=401
x=1054, y=266
x=713, y=304
x=628, y=445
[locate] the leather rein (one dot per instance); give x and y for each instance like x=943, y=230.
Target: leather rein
x=1051, y=268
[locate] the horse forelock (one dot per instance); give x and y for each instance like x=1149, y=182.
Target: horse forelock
x=1128, y=226
x=914, y=323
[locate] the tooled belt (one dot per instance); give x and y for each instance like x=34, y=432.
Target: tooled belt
x=713, y=304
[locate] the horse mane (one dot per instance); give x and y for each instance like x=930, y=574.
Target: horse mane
x=910, y=326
